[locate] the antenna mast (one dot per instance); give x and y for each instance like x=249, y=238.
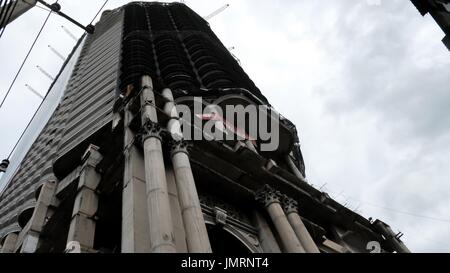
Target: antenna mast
x=216, y=12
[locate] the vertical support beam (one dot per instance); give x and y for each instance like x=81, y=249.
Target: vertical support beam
x=175, y=208
x=10, y=243
x=194, y=223
x=82, y=226
x=42, y=211
x=291, y=210
x=270, y=198
x=135, y=225
x=267, y=239
x=160, y=220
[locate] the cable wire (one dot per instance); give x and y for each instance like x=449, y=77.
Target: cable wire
x=26, y=128
x=37, y=110
x=361, y=202
x=403, y=212
x=4, y=13
x=392, y=209
x=26, y=58
x=42, y=8
x=3, y=7
x=104, y=4
x=9, y=18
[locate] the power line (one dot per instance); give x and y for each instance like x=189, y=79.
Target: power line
x=28, y=125
x=8, y=17
x=341, y=193
x=403, y=212
x=40, y=105
x=26, y=58
x=104, y=4
x=42, y=8
x=2, y=11
x=395, y=210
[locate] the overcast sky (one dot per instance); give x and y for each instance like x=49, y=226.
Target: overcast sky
x=365, y=81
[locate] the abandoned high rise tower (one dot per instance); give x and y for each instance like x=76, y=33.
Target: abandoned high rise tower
x=109, y=170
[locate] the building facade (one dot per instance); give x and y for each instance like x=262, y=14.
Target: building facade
x=113, y=170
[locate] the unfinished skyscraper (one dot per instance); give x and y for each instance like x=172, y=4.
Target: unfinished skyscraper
x=113, y=169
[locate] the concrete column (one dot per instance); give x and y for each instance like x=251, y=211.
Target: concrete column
x=9, y=244
x=268, y=242
x=161, y=231
x=270, y=198
x=194, y=223
x=175, y=209
x=41, y=212
x=82, y=226
x=291, y=210
x=294, y=169
x=135, y=225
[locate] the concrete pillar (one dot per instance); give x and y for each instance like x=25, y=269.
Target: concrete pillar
x=161, y=231
x=194, y=223
x=271, y=199
x=291, y=210
x=268, y=242
x=175, y=209
x=9, y=244
x=42, y=211
x=82, y=226
x=294, y=169
x=135, y=225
